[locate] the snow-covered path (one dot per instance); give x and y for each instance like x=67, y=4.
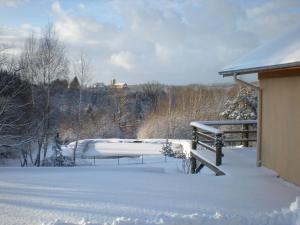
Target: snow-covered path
x=151, y=193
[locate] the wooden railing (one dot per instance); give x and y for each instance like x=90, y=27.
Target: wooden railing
x=210, y=136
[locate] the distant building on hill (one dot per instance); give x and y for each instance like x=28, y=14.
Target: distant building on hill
x=115, y=84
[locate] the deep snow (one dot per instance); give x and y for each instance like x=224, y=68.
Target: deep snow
x=154, y=192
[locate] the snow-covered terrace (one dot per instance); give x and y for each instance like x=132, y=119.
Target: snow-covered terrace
x=208, y=135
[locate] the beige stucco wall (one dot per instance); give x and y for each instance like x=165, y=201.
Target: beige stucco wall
x=280, y=140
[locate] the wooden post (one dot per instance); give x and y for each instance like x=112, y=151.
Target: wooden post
x=245, y=135
x=219, y=144
x=193, y=165
x=194, y=138
x=259, y=127
x=194, y=147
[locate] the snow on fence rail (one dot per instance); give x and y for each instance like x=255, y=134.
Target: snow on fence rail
x=202, y=126
x=227, y=122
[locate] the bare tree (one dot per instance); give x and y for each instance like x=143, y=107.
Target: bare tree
x=3, y=56
x=28, y=63
x=153, y=92
x=43, y=61
x=82, y=70
x=52, y=65
x=13, y=108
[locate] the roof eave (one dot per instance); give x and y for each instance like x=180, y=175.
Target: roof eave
x=228, y=73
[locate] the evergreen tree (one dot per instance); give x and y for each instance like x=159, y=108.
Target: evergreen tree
x=167, y=149
x=74, y=85
x=243, y=107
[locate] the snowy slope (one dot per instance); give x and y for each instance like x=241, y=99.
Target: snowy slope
x=154, y=192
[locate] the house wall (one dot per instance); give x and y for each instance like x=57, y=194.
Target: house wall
x=280, y=140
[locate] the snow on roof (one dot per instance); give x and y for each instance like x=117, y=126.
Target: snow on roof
x=120, y=84
x=280, y=53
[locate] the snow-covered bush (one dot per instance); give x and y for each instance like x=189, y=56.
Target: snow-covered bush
x=57, y=158
x=176, y=151
x=167, y=150
x=62, y=161
x=243, y=107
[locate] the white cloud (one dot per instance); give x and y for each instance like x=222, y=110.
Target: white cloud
x=81, y=6
x=14, y=38
x=12, y=3
x=162, y=53
x=169, y=41
x=76, y=30
x=271, y=18
x=123, y=60
x=56, y=8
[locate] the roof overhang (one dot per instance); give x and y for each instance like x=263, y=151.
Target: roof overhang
x=279, y=54
x=243, y=71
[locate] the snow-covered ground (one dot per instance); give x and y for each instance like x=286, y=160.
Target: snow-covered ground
x=152, y=192
x=103, y=148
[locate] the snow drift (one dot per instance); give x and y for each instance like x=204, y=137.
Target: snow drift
x=289, y=216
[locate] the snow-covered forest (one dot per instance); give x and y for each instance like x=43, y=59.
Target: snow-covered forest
x=43, y=92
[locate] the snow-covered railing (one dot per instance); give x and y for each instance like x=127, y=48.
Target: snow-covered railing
x=201, y=125
x=227, y=122
x=208, y=135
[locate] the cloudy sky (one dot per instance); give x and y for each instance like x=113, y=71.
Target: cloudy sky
x=135, y=41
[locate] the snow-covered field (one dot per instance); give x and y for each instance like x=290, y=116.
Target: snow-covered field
x=152, y=192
